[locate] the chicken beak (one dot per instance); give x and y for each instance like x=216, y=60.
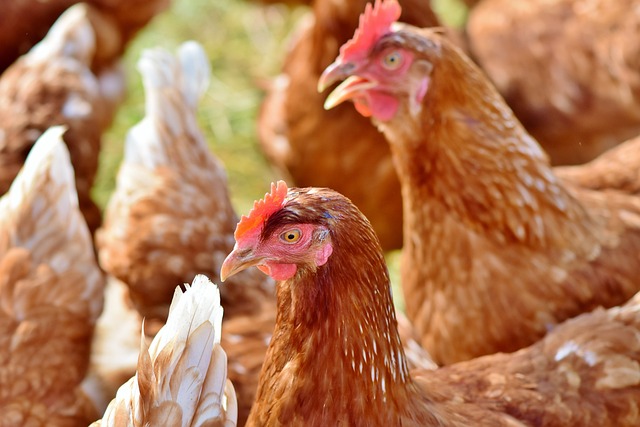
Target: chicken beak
x=352, y=86
x=236, y=261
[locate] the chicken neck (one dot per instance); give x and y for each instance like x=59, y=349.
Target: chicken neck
x=336, y=353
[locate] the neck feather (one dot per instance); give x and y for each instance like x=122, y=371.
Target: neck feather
x=336, y=344
x=470, y=157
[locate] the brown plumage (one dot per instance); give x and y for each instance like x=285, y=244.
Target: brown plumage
x=490, y=232
x=336, y=359
x=616, y=169
x=181, y=378
x=170, y=216
x=50, y=294
x=566, y=68
x=53, y=85
x=24, y=23
x=338, y=149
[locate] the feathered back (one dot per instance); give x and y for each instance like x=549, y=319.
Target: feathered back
x=173, y=86
x=170, y=216
x=55, y=84
x=40, y=213
x=182, y=375
x=51, y=292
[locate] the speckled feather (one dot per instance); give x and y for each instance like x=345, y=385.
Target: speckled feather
x=490, y=232
x=335, y=358
x=53, y=84
x=51, y=293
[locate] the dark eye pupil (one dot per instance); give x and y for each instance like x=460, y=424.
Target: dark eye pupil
x=290, y=236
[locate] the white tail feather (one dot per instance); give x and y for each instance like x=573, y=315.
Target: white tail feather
x=185, y=364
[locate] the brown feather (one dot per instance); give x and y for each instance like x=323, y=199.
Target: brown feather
x=565, y=68
x=491, y=233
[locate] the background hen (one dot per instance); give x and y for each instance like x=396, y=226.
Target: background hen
x=490, y=232
x=50, y=294
x=52, y=85
x=336, y=359
x=182, y=375
x=569, y=69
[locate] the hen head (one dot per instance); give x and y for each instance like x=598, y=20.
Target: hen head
x=280, y=236
x=384, y=63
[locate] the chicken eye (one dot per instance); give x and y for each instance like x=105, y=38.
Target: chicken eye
x=392, y=60
x=291, y=236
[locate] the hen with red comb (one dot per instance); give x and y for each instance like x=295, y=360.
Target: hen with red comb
x=335, y=358
x=490, y=231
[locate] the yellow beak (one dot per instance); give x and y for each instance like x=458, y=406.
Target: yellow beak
x=238, y=260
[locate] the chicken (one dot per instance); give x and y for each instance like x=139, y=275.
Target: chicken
x=336, y=359
x=50, y=294
x=182, y=375
x=53, y=85
x=337, y=149
x=498, y=249
x=566, y=69
x=170, y=216
x=24, y=23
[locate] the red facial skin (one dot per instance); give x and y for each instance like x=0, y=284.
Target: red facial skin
x=293, y=242
x=374, y=83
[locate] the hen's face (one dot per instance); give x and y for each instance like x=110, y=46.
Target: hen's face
x=281, y=251
x=378, y=82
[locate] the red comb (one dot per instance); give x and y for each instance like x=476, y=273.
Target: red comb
x=262, y=209
x=374, y=22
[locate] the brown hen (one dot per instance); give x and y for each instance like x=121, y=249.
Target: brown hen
x=338, y=149
x=54, y=85
x=50, y=294
x=569, y=69
x=498, y=250
x=336, y=359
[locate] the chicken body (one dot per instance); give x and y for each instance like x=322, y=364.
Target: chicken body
x=566, y=68
x=50, y=294
x=181, y=377
x=54, y=85
x=338, y=149
x=336, y=359
x=491, y=232
x=171, y=217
